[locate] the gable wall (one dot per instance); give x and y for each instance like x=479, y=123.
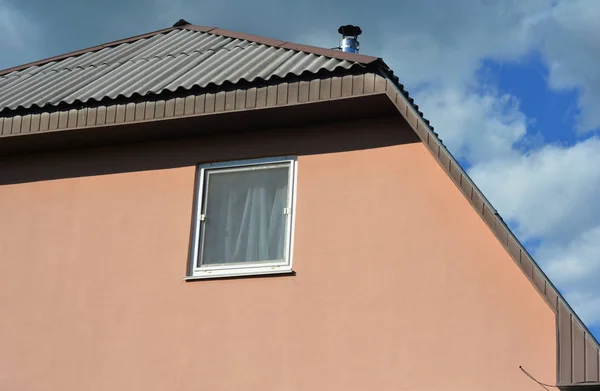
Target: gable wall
x=399, y=284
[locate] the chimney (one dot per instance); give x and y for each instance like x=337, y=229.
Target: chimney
x=349, y=41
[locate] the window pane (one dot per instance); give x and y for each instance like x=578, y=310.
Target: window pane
x=245, y=220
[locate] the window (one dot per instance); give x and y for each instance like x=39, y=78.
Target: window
x=244, y=218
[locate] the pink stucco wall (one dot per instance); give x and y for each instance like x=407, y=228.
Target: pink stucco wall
x=399, y=284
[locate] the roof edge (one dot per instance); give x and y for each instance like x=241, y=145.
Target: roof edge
x=307, y=75
x=433, y=135
x=360, y=58
x=278, y=93
x=332, y=53
x=495, y=222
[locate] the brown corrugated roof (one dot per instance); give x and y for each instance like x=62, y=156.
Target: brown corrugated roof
x=178, y=58
x=360, y=58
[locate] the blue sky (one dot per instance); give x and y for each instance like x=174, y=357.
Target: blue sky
x=511, y=86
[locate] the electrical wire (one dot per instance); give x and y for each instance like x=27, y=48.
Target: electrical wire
x=544, y=385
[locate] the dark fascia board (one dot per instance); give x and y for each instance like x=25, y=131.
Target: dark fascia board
x=188, y=103
x=359, y=58
x=580, y=387
x=374, y=105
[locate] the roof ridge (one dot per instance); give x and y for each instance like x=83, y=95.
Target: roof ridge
x=331, y=53
x=360, y=58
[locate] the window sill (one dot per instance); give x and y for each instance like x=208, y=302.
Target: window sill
x=258, y=272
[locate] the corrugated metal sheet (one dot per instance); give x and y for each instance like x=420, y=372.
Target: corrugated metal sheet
x=180, y=58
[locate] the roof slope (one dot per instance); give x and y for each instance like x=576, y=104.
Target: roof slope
x=182, y=57
x=345, y=75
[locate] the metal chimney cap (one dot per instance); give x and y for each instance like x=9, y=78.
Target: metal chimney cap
x=350, y=30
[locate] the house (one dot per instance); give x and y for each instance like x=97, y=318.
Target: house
x=199, y=209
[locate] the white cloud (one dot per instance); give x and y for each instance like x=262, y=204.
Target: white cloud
x=475, y=126
x=576, y=266
x=577, y=260
x=551, y=193
x=568, y=39
x=445, y=42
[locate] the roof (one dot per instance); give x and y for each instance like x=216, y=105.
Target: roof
x=179, y=58
x=228, y=79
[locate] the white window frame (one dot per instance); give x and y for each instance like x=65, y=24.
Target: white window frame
x=248, y=268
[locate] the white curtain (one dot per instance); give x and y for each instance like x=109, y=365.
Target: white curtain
x=245, y=220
